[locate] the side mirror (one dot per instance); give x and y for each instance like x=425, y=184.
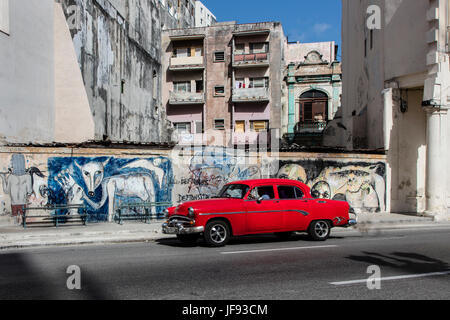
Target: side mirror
x=260, y=200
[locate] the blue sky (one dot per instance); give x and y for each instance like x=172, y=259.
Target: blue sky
x=304, y=21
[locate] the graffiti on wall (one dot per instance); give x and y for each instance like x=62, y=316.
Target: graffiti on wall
x=102, y=183
x=209, y=170
x=362, y=185
x=99, y=183
x=23, y=186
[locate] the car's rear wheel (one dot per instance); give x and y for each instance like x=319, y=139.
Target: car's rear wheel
x=217, y=233
x=319, y=230
x=190, y=239
x=284, y=235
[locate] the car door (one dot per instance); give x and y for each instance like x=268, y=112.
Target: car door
x=296, y=208
x=263, y=216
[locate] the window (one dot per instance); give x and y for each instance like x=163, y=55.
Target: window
x=239, y=48
x=262, y=47
x=182, y=86
x=239, y=127
x=155, y=84
x=237, y=191
x=198, y=127
x=259, y=126
x=219, y=56
x=240, y=83
x=289, y=192
x=199, y=86
x=219, y=124
x=259, y=82
x=4, y=16
x=219, y=91
x=266, y=192
x=181, y=52
x=183, y=127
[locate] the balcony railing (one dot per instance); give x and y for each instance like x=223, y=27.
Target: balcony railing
x=249, y=60
x=186, y=98
x=187, y=63
x=250, y=94
x=310, y=127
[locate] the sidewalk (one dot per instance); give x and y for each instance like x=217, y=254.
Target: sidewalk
x=14, y=237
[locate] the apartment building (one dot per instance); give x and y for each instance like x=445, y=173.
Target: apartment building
x=396, y=97
x=203, y=16
x=314, y=86
x=226, y=77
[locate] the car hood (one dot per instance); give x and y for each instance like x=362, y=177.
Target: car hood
x=209, y=206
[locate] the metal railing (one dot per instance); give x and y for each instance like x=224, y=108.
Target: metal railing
x=141, y=211
x=58, y=215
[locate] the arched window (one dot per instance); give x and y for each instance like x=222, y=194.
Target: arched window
x=313, y=107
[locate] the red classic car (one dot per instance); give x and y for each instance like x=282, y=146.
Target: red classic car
x=249, y=207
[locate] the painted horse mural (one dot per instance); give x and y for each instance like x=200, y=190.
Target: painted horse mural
x=101, y=182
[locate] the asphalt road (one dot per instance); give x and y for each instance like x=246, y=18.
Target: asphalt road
x=250, y=268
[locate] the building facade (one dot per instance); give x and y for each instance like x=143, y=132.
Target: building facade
x=42, y=95
x=396, y=98
x=313, y=84
x=203, y=16
x=226, y=77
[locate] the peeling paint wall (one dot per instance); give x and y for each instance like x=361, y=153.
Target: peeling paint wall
x=118, y=46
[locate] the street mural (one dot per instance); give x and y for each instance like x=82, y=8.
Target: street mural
x=104, y=182
x=23, y=186
x=99, y=183
x=362, y=185
x=209, y=170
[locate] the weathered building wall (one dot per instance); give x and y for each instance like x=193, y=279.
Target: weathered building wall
x=27, y=106
x=395, y=97
x=102, y=178
x=118, y=45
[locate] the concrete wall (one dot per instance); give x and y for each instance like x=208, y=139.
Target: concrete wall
x=203, y=16
x=103, y=178
x=118, y=47
x=27, y=105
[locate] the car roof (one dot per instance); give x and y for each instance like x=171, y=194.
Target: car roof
x=270, y=181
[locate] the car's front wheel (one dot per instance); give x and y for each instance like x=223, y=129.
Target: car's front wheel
x=217, y=233
x=319, y=230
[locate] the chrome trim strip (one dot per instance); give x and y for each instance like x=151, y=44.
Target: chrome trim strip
x=268, y=211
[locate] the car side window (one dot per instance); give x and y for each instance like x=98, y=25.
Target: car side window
x=290, y=193
x=258, y=192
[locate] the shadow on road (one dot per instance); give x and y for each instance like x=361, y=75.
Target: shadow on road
x=412, y=263
x=22, y=279
x=253, y=239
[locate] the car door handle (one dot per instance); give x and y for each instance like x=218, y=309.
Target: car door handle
x=321, y=202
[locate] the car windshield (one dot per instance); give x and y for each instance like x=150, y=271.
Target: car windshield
x=235, y=191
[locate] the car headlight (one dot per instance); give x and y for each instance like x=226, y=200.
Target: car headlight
x=166, y=213
x=191, y=213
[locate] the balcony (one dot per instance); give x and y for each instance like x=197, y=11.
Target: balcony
x=186, y=63
x=251, y=95
x=251, y=60
x=310, y=127
x=186, y=98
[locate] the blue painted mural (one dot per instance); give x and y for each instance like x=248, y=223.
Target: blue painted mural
x=104, y=182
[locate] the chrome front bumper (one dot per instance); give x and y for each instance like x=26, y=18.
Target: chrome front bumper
x=180, y=229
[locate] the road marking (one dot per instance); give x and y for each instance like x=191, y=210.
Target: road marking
x=423, y=275
x=376, y=239
x=281, y=249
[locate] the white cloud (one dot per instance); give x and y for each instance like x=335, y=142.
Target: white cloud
x=321, y=27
